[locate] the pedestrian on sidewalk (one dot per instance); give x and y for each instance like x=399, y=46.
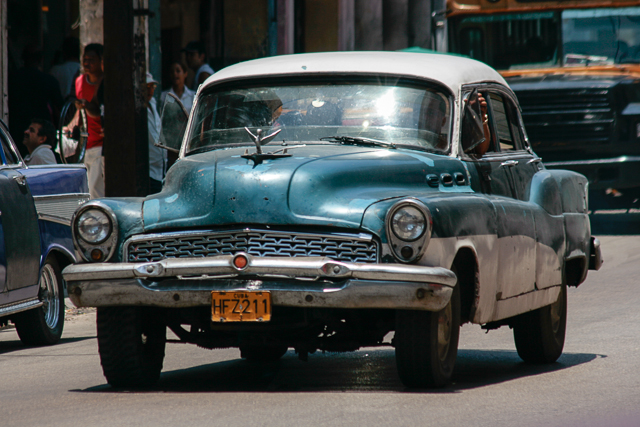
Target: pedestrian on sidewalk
x=178, y=74
x=67, y=72
x=86, y=87
x=157, y=155
x=197, y=61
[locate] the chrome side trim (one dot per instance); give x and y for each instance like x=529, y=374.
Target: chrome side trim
x=59, y=208
x=279, y=267
x=621, y=159
x=19, y=306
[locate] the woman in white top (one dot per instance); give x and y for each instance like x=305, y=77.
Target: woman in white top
x=178, y=75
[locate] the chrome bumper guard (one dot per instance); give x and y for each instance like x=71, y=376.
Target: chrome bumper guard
x=318, y=282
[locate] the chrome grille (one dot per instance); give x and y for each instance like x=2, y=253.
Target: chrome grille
x=340, y=247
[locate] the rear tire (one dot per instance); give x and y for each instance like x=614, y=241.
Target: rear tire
x=43, y=325
x=427, y=344
x=539, y=335
x=131, y=343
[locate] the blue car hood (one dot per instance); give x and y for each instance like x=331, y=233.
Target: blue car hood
x=318, y=185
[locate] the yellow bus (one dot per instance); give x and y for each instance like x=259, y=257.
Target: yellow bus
x=575, y=67
x=525, y=34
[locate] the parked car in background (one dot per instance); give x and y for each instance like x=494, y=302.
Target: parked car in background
x=322, y=201
x=36, y=206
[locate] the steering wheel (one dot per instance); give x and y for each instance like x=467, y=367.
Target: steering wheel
x=72, y=133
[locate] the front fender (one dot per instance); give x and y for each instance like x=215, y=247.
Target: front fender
x=128, y=212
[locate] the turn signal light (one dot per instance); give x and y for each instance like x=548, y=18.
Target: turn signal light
x=97, y=255
x=240, y=262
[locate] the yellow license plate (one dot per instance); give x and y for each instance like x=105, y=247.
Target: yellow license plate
x=240, y=306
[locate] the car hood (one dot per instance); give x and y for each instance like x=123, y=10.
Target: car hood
x=329, y=185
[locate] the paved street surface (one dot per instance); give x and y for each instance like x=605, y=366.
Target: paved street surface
x=595, y=383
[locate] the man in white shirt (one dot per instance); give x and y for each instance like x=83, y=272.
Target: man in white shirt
x=40, y=139
x=157, y=155
x=196, y=60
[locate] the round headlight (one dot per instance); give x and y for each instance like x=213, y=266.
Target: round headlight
x=408, y=223
x=94, y=226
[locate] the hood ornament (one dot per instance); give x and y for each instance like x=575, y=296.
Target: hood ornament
x=259, y=156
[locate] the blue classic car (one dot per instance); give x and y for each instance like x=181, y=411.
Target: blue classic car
x=322, y=201
x=36, y=207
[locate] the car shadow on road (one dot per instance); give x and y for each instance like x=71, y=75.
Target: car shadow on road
x=362, y=371
x=17, y=345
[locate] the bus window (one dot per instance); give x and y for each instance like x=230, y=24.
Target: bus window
x=508, y=40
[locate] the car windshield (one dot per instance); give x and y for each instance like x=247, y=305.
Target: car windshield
x=531, y=40
x=402, y=115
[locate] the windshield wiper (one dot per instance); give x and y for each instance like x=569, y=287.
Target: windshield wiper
x=357, y=140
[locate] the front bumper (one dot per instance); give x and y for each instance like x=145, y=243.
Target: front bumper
x=292, y=282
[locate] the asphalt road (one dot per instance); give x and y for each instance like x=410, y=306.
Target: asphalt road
x=596, y=382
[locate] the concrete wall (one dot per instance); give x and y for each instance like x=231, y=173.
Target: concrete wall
x=91, y=23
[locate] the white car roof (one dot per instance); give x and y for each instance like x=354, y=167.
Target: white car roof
x=451, y=71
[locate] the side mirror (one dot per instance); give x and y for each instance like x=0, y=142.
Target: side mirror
x=174, y=124
x=472, y=130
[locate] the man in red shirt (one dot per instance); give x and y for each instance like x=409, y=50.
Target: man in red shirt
x=86, y=86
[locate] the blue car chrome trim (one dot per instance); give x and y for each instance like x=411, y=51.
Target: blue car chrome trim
x=59, y=208
x=19, y=306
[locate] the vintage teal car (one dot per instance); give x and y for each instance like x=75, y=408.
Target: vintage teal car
x=322, y=201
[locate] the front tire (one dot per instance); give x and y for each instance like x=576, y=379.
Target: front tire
x=539, y=335
x=427, y=344
x=43, y=325
x=131, y=343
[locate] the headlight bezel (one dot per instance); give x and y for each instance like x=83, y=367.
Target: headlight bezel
x=104, y=247
x=408, y=250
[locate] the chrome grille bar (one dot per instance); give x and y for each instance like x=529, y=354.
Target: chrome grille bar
x=360, y=248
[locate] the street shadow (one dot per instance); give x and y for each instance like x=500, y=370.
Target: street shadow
x=362, y=371
x=615, y=224
x=17, y=345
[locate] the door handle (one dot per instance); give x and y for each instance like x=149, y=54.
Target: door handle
x=536, y=160
x=20, y=179
x=509, y=163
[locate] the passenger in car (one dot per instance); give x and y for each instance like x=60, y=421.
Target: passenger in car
x=39, y=138
x=481, y=149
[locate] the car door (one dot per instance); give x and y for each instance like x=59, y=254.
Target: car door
x=517, y=233
x=549, y=226
x=515, y=271
x=19, y=230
